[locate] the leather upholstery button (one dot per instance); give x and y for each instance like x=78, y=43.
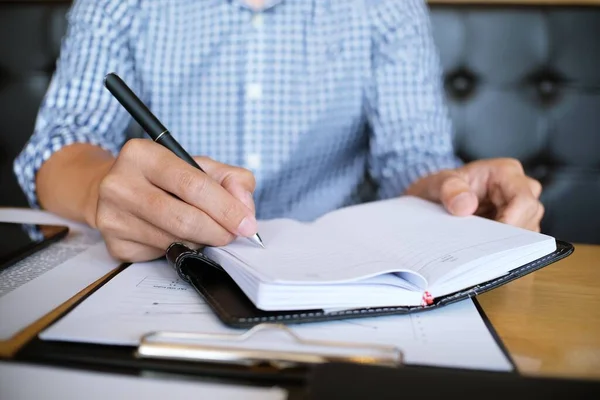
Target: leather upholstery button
x=547, y=87
x=547, y=84
x=460, y=84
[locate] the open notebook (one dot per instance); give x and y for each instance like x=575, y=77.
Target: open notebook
x=399, y=252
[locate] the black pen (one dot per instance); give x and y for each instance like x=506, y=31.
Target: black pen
x=148, y=121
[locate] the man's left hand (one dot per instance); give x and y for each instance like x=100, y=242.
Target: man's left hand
x=495, y=188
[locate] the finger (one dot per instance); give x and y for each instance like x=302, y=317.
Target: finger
x=535, y=186
x=201, y=191
x=179, y=219
x=128, y=251
x=242, y=195
x=518, y=212
x=516, y=203
x=118, y=224
x=486, y=209
x=535, y=222
x=239, y=182
x=222, y=172
x=540, y=216
x=456, y=195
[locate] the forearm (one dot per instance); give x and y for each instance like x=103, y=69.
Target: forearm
x=67, y=183
x=80, y=127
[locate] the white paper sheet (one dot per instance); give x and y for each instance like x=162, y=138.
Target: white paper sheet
x=38, y=284
x=358, y=242
x=338, y=260
x=148, y=297
x=24, y=381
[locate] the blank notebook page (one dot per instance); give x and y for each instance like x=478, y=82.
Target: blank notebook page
x=402, y=234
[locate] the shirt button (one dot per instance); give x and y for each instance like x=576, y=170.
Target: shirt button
x=258, y=20
x=253, y=160
x=254, y=91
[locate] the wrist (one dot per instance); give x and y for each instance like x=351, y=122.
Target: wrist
x=67, y=183
x=90, y=200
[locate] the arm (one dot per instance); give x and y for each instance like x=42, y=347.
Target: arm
x=411, y=145
x=411, y=131
x=67, y=183
x=79, y=127
x=140, y=196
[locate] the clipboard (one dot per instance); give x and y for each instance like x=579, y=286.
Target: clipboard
x=183, y=355
x=186, y=353
x=216, y=356
x=208, y=355
x=233, y=349
x=222, y=356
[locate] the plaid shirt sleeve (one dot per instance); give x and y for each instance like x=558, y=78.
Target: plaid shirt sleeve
x=411, y=131
x=76, y=107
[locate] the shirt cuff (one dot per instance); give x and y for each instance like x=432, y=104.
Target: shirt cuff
x=39, y=149
x=395, y=183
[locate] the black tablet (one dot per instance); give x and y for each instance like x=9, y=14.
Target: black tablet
x=18, y=241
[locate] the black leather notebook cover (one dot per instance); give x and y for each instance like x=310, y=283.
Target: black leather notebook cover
x=234, y=308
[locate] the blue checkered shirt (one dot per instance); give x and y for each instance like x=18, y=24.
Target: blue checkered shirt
x=328, y=102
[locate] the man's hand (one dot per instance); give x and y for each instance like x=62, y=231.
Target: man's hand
x=496, y=189
x=150, y=198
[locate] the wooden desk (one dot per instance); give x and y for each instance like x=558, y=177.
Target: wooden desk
x=550, y=319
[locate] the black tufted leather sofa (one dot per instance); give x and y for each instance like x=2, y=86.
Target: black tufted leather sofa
x=521, y=82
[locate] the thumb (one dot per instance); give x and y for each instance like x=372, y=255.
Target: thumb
x=239, y=182
x=455, y=194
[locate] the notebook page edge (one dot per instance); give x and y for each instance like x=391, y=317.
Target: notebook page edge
x=446, y=287
x=512, y=252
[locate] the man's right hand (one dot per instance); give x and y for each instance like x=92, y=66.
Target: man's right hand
x=150, y=198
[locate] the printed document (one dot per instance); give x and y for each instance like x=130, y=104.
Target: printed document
x=41, y=282
x=148, y=297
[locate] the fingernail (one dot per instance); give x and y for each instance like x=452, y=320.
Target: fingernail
x=248, y=200
x=459, y=203
x=248, y=227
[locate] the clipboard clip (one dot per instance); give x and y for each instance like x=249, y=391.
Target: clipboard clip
x=273, y=345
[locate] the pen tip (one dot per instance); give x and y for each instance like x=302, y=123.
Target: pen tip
x=258, y=240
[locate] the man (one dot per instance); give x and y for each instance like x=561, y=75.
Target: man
x=299, y=107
